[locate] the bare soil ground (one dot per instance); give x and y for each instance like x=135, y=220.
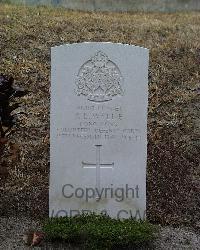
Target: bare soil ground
x=173, y=171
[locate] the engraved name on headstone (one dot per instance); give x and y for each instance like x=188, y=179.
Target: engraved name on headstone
x=99, y=95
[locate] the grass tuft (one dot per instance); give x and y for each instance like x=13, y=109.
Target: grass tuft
x=91, y=231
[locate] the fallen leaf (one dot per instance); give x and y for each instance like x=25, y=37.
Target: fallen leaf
x=37, y=238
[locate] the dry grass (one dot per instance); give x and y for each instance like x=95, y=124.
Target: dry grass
x=173, y=177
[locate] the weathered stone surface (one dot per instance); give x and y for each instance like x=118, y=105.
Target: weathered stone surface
x=98, y=129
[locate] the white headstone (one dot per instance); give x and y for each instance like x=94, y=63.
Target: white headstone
x=99, y=95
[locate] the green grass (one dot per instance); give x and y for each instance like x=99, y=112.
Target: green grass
x=100, y=232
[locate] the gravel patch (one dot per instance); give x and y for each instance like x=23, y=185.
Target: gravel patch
x=12, y=230
x=177, y=238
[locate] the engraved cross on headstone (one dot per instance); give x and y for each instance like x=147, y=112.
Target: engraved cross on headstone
x=98, y=166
